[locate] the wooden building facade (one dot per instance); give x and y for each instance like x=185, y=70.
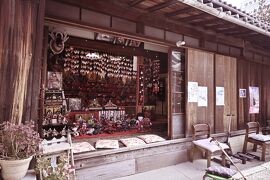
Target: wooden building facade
x=221, y=46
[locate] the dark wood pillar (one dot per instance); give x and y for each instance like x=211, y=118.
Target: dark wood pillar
x=20, y=30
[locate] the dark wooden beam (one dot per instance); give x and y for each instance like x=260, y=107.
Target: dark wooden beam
x=232, y=33
x=220, y=26
x=192, y=17
x=162, y=5
x=135, y=2
x=206, y=22
x=230, y=29
x=247, y=34
x=180, y=11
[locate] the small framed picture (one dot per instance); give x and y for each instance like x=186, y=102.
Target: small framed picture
x=242, y=93
x=104, y=37
x=54, y=80
x=74, y=104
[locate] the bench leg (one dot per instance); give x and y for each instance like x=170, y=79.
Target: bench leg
x=263, y=153
x=254, y=147
x=208, y=154
x=245, y=147
x=223, y=159
x=191, y=153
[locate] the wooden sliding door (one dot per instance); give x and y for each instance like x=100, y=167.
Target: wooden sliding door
x=200, y=69
x=226, y=77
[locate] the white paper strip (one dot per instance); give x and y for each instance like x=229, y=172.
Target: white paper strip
x=192, y=91
x=202, y=96
x=220, y=96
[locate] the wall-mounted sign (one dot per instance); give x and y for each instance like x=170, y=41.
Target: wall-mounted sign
x=202, y=96
x=254, y=100
x=192, y=91
x=242, y=93
x=220, y=96
x=117, y=40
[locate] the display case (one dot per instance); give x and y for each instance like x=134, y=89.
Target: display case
x=54, y=122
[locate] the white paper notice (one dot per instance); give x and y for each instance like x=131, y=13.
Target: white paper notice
x=254, y=100
x=220, y=96
x=202, y=96
x=192, y=91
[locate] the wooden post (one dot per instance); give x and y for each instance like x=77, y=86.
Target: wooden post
x=17, y=32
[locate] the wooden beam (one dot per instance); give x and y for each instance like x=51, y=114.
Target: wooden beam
x=247, y=34
x=161, y=6
x=181, y=11
x=135, y=2
x=220, y=26
x=192, y=17
x=207, y=22
x=231, y=29
x=237, y=32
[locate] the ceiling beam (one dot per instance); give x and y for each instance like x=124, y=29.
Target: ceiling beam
x=180, y=11
x=192, y=17
x=135, y=2
x=222, y=26
x=247, y=35
x=162, y=5
x=233, y=33
x=233, y=28
x=206, y=22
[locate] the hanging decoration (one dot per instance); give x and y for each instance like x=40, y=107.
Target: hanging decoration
x=57, y=42
x=86, y=62
x=152, y=70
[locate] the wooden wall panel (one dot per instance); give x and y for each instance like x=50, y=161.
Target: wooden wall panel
x=200, y=68
x=255, y=80
x=253, y=74
x=225, y=76
x=243, y=83
x=265, y=110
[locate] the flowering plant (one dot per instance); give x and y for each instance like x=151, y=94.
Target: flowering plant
x=50, y=171
x=18, y=141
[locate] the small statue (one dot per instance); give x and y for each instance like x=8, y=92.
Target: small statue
x=54, y=132
x=75, y=131
x=84, y=128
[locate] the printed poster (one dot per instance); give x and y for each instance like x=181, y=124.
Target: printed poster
x=220, y=96
x=242, y=93
x=254, y=100
x=192, y=91
x=202, y=96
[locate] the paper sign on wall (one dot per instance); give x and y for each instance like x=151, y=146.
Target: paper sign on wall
x=192, y=91
x=242, y=93
x=202, y=96
x=220, y=96
x=254, y=100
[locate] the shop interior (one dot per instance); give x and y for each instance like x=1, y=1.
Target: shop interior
x=103, y=87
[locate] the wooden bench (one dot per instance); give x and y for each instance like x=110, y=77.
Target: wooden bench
x=202, y=141
x=252, y=136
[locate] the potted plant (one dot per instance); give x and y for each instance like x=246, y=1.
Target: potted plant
x=19, y=143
